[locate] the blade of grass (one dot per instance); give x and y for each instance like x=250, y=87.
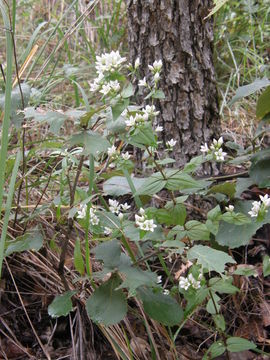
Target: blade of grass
x=8, y=208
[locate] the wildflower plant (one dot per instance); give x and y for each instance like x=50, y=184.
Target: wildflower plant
x=113, y=205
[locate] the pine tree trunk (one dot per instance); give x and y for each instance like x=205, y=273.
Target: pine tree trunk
x=176, y=32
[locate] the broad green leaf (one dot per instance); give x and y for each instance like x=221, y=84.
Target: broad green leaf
x=93, y=142
x=54, y=118
x=242, y=184
x=263, y=104
x=236, y=344
x=143, y=137
x=266, y=266
x=194, y=164
x=119, y=107
x=235, y=218
x=118, y=185
x=213, y=306
x=152, y=185
x=249, y=89
x=197, y=230
x=194, y=299
x=107, y=305
x=181, y=181
x=215, y=350
x=78, y=259
x=219, y=321
x=223, y=285
x=32, y=240
x=235, y=236
x=211, y=259
x=61, y=305
x=260, y=168
x=128, y=91
x=160, y=307
x=109, y=252
x=227, y=188
x=135, y=277
x=158, y=94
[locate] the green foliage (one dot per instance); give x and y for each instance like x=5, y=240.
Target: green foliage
x=32, y=240
x=61, y=305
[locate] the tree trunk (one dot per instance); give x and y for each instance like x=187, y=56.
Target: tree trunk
x=176, y=32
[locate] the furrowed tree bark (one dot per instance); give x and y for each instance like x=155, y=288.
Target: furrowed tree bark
x=176, y=32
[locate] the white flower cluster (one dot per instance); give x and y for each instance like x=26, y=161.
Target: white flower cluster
x=185, y=283
x=115, y=207
x=107, y=63
x=171, y=143
x=215, y=149
x=94, y=220
x=155, y=70
x=229, y=208
x=141, y=117
x=143, y=223
x=260, y=207
x=113, y=153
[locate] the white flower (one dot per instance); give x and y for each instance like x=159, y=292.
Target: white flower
x=143, y=223
x=112, y=151
x=159, y=279
x=150, y=110
x=110, y=86
x=166, y=292
x=256, y=207
x=109, y=62
x=220, y=155
x=265, y=200
x=120, y=216
x=125, y=206
x=171, y=143
x=82, y=211
x=137, y=63
x=124, y=113
x=156, y=76
x=114, y=206
x=184, y=283
x=229, y=208
x=218, y=143
x=204, y=148
x=107, y=231
x=159, y=128
x=112, y=165
x=156, y=67
x=131, y=121
x=94, y=220
x=126, y=156
x=142, y=82
x=193, y=282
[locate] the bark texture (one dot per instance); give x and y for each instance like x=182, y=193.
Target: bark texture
x=176, y=32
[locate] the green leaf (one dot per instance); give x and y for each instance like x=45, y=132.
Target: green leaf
x=78, y=259
x=93, y=142
x=215, y=350
x=266, y=266
x=235, y=218
x=180, y=181
x=128, y=91
x=263, y=104
x=227, y=188
x=107, y=305
x=135, y=277
x=260, y=168
x=247, y=90
x=143, y=137
x=211, y=259
x=236, y=344
x=232, y=235
x=109, y=252
x=86, y=118
x=197, y=230
x=219, y=322
x=61, y=305
x=118, y=108
x=194, y=164
x=118, y=185
x=160, y=307
x=242, y=184
x=223, y=285
x=54, y=118
x=158, y=94
x=213, y=306
x=32, y=240
x=152, y=185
